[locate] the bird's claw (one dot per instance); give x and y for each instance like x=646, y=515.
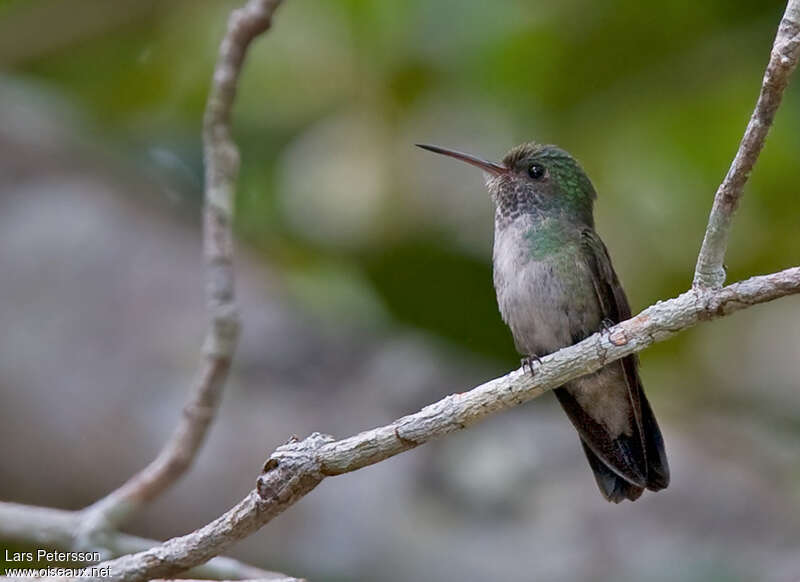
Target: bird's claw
x=606, y=325
x=528, y=361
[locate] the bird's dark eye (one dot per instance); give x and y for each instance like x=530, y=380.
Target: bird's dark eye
x=536, y=171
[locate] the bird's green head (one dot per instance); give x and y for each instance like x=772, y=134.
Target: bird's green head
x=535, y=179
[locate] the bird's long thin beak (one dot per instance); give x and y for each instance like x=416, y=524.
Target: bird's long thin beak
x=493, y=168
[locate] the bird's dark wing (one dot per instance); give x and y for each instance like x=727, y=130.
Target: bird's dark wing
x=610, y=294
x=638, y=458
x=614, y=304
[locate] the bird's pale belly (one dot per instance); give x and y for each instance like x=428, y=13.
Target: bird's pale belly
x=548, y=303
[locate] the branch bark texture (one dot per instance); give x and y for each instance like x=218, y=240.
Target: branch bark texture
x=710, y=271
x=294, y=469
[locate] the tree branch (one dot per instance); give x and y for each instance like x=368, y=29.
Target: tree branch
x=710, y=271
x=56, y=528
x=296, y=468
x=221, y=168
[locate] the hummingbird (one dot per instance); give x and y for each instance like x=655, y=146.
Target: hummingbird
x=556, y=286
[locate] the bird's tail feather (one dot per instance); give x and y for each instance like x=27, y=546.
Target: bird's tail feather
x=657, y=467
x=624, y=465
x=613, y=487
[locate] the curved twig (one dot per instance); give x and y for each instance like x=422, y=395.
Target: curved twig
x=221, y=168
x=710, y=271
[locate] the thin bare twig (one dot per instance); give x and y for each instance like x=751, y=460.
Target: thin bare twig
x=56, y=528
x=296, y=468
x=710, y=271
x=221, y=168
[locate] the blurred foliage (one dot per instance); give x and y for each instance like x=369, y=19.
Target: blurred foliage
x=368, y=229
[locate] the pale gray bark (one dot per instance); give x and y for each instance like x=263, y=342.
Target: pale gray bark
x=710, y=271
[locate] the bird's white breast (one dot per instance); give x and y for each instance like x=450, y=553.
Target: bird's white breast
x=542, y=299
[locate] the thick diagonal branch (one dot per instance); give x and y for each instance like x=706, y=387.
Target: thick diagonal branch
x=710, y=271
x=296, y=468
x=221, y=168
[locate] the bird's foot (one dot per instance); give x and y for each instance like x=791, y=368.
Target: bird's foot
x=606, y=325
x=528, y=361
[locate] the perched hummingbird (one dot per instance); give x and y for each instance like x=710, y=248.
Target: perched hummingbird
x=555, y=286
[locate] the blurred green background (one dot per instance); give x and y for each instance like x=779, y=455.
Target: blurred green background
x=332, y=192
x=367, y=233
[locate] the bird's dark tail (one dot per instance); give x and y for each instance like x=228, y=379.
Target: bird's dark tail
x=613, y=487
x=625, y=463
x=657, y=466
